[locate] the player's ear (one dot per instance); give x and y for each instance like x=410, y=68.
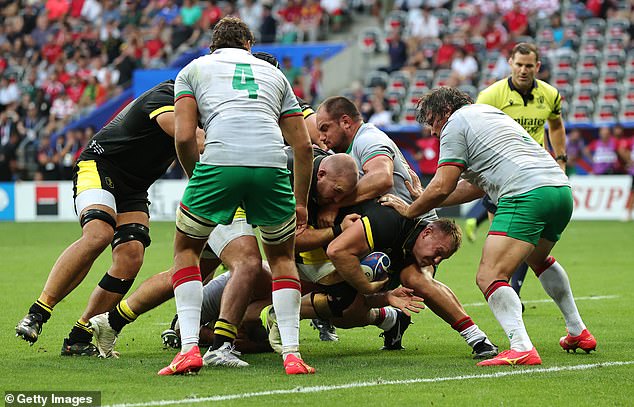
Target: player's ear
x=344, y=121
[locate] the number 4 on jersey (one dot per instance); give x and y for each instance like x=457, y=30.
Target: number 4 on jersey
x=243, y=80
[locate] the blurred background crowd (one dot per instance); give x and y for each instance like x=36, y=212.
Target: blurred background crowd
x=61, y=59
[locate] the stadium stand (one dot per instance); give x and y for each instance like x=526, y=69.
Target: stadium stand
x=62, y=59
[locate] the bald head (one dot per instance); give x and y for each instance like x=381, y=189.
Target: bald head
x=336, y=178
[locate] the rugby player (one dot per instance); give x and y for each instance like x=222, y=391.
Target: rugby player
x=495, y=155
x=532, y=103
x=242, y=165
x=334, y=176
x=383, y=169
x=110, y=183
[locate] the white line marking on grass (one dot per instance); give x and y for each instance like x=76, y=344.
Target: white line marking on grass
x=317, y=389
x=589, y=298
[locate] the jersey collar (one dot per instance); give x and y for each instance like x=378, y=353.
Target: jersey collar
x=355, y=136
x=525, y=97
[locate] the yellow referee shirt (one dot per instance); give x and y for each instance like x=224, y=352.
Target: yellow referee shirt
x=530, y=111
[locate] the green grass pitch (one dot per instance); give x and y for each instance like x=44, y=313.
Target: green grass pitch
x=435, y=369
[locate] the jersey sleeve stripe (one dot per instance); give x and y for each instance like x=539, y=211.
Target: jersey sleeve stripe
x=160, y=110
x=368, y=232
x=377, y=154
x=291, y=113
x=183, y=94
x=453, y=161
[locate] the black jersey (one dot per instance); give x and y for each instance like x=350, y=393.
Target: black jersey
x=387, y=231
x=318, y=155
x=307, y=109
x=133, y=142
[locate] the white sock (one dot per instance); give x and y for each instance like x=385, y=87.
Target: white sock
x=390, y=318
x=286, y=302
x=473, y=335
x=507, y=308
x=189, y=300
x=556, y=284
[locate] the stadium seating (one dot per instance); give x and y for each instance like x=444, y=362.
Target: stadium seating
x=606, y=112
x=581, y=112
x=626, y=114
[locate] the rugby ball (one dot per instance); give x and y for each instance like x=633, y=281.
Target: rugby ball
x=375, y=266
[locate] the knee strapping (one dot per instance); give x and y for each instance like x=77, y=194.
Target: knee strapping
x=274, y=235
x=131, y=231
x=327, y=306
x=115, y=285
x=97, y=214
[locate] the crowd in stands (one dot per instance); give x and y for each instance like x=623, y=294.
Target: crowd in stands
x=466, y=44
x=60, y=59
x=63, y=58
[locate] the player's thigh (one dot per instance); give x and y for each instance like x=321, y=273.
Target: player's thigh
x=93, y=188
x=538, y=259
x=501, y=255
x=322, y=273
x=269, y=201
x=232, y=238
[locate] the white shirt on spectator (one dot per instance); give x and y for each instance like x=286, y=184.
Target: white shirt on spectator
x=91, y=10
x=331, y=5
x=9, y=94
x=502, y=68
x=63, y=107
x=465, y=67
x=421, y=27
x=381, y=119
x=252, y=16
x=487, y=7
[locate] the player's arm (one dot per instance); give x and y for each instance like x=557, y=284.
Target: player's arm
x=185, y=125
x=557, y=137
x=166, y=122
x=344, y=252
x=296, y=135
x=312, y=239
x=377, y=179
x=438, y=190
x=464, y=192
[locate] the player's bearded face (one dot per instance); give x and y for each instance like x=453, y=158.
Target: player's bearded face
x=331, y=133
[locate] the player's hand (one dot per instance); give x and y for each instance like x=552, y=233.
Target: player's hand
x=348, y=220
x=404, y=299
x=394, y=202
x=301, y=215
x=326, y=216
x=415, y=188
